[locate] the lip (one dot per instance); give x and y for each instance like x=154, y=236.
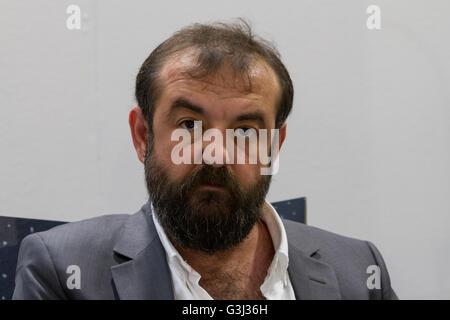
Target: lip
x=211, y=186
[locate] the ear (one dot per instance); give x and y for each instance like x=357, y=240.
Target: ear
x=139, y=131
x=282, y=135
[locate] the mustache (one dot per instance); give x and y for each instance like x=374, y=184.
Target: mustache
x=206, y=174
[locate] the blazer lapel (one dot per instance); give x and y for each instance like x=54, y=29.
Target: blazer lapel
x=311, y=278
x=142, y=272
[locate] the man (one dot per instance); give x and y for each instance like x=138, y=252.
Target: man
x=207, y=231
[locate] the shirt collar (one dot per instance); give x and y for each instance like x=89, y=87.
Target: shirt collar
x=172, y=253
x=277, y=232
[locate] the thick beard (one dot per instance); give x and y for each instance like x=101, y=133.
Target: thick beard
x=204, y=220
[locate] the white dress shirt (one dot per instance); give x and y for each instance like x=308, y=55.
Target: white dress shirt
x=276, y=285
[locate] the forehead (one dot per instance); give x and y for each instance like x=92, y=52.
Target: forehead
x=264, y=84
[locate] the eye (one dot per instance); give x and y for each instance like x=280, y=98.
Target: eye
x=188, y=124
x=244, y=132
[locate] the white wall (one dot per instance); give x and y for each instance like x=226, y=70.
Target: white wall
x=368, y=141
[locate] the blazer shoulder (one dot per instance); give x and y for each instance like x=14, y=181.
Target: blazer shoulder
x=44, y=259
x=96, y=232
x=342, y=252
x=352, y=259
x=321, y=238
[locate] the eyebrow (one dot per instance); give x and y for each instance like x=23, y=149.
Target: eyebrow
x=256, y=116
x=182, y=103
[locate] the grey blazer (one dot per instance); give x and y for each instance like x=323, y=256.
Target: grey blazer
x=121, y=257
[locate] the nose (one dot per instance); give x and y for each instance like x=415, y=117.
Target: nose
x=214, y=148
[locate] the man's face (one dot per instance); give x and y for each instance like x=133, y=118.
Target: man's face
x=208, y=207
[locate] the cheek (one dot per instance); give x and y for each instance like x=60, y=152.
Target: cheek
x=246, y=174
x=162, y=149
